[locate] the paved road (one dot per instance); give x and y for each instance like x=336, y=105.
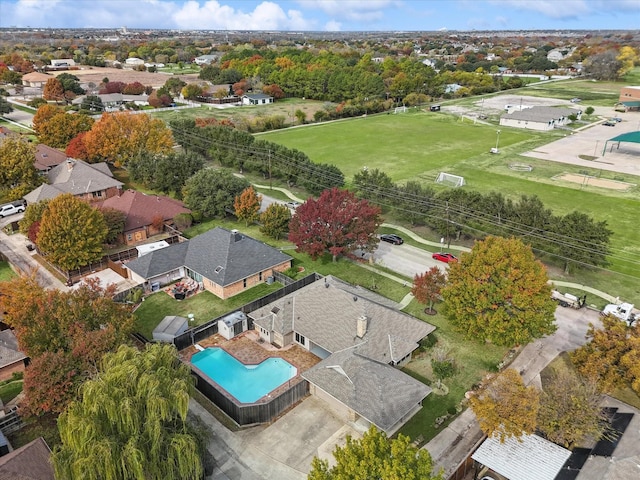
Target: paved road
x=14, y=248
x=406, y=259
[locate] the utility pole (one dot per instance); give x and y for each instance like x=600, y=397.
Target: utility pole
x=269, y=157
x=447, y=234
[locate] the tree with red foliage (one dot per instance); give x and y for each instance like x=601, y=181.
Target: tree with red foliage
x=239, y=88
x=64, y=333
x=427, y=286
x=135, y=88
x=113, y=87
x=76, y=148
x=274, y=90
x=337, y=222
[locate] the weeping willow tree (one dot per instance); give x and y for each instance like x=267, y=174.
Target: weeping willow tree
x=130, y=421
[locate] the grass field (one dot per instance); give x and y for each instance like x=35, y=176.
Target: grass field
x=418, y=145
x=5, y=272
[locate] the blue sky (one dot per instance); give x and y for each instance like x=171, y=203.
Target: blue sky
x=321, y=15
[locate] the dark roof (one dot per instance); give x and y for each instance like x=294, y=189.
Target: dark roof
x=257, y=96
x=30, y=462
x=142, y=210
x=220, y=255
x=378, y=392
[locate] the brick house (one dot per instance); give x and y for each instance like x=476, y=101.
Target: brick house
x=12, y=360
x=223, y=262
x=362, y=337
x=91, y=182
x=146, y=215
x=630, y=97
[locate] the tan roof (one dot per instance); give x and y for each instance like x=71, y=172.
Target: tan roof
x=36, y=77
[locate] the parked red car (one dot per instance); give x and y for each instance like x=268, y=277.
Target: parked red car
x=444, y=257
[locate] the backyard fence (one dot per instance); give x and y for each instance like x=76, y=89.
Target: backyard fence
x=11, y=422
x=196, y=334
x=249, y=414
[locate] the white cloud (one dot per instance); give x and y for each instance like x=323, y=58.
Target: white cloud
x=333, y=26
x=352, y=10
x=213, y=15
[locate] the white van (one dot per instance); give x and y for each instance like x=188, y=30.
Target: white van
x=12, y=208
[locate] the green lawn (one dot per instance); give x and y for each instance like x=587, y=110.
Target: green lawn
x=417, y=146
x=10, y=390
x=473, y=359
x=5, y=272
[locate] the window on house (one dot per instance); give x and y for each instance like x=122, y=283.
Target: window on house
x=260, y=276
x=129, y=236
x=300, y=339
x=244, y=283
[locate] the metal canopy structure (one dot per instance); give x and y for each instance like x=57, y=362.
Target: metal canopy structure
x=631, y=137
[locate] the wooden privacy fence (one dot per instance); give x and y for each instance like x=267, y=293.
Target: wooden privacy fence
x=250, y=413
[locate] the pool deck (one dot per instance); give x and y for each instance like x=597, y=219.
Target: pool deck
x=247, y=348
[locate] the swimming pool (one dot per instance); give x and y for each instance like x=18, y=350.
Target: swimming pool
x=247, y=383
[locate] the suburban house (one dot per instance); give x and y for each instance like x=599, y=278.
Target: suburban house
x=256, y=99
x=113, y=101
x=206, y=59
x=29, y=462
x=35, y=79
x=6, y=133
x=12, y=360
x=223, y=262
x=133, y=62
x=86, y=181
x=629, y=97
x=539, y=118
x=63, y=62
x=146, y=215
x=48, y=157
x=361, y=338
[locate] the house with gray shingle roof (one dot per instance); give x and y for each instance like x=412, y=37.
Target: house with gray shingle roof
x=12, y=360
x=539, y=118
x=29, y=462
x=361, y=337
x=89, y=182
x=223, y=262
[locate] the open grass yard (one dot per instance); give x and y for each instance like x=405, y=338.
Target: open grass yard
x=5, y=272
x=473, y=360
x=204, y=306
x=240, y=114
x=417, y=146
x=10, y=390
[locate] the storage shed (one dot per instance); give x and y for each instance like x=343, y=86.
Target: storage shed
x=232, y=325
x=169, y=328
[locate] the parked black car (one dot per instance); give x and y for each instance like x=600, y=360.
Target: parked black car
x=392, y=238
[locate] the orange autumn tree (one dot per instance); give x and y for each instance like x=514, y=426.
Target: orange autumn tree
x=426, y=287
x=505, y=407
x=247, y=205
x=119, y=138
x=61, y=128
x=43, y=115
x=53, y=90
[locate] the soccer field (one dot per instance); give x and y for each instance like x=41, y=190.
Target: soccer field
x=419, y=145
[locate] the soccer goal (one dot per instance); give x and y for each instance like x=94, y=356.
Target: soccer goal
x=450, y=180
x=400, y=110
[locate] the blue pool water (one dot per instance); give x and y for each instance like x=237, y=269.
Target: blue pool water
x=247, y=383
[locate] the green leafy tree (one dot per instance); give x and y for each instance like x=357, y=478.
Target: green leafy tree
x=72, y=233
x=275, y=220
x=92, y=103
x=18, y=176
x=192, y=91
x=498, y=292
x=570, y=410
x=427, y=287
x=70, y=83
x=115, y=220
x=5, y=107
x=174, y=86
x=442, y=364
x=131, y=421
x=32, y=214
x=376, y=456
x=247, y=205
x=301, y=116
x=165, y=173
x=505, y=407
x=212, y=192
x=337, y=222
